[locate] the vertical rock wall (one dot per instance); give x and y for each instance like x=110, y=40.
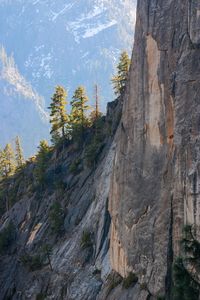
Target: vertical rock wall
x=156, y=178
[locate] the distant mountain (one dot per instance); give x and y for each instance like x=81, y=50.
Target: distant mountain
x=45, y=43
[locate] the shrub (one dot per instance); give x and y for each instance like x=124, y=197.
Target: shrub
x=2, y=200
x=190, y=245
x=47, y=251
x=114, y=280
x=56, y=217
x=7, y=236
x=41, y=296
x=144, y=286
x=130, y=280
x=185, y=287
x=33, y=262
x=74, y=167
x=92, y=152
x=96, y=272
x=42, y=159
x=161, y=298
x=86, y=241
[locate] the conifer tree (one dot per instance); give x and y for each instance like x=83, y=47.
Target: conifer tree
x=7, y=162
x=19, y=153
x=58, y=115
x=119, y=80
x=79, y=109
x=95, y=114
x=42, y=159
x=1, y=164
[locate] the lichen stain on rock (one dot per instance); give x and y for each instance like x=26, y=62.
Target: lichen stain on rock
x=153, y=59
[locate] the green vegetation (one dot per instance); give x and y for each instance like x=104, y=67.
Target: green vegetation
x=7, y=236
x=92, y=152
x=114, y=279
x=32, y=262
x=47, y=251
x=119, y=80
x=74, y=167
x=185, y=288
x=41, y=296
x=36, y=262
x=10, y=160
x=185, y=285
x=190, y=245
x=129, y=281
x=78, y=118
x=96, y=272
x=161, y=298
x=7, y=162
x=58, y=115
x=56, y=218
x=42, y=162
x=19, y=157
x=144, y=286
x=86, y=240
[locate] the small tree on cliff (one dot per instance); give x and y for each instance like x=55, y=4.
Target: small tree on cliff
x=78, y=118
x=119, y=80
x=58, y=115
x=19, y=157
x=41, y=162
x=7, y=161
x=95, y=114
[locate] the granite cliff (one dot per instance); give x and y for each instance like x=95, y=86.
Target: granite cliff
x=155, y=185
x=134, y=203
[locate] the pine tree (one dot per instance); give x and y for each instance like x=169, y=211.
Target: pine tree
x=79, y=105
x=1, y=163
x=41, y=162
x=58, y=115
x=119, y=80
x=19, y=153
x=95, y=114
x=7, y=161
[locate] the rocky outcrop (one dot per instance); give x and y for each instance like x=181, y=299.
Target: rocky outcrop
x=155, y=185
x=82, y=190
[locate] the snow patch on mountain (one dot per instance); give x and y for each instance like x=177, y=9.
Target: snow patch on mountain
x=43, y=61
x=62, y=11
x=93, y=31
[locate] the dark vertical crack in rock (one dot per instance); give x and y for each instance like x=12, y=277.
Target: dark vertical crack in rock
x=169, y=280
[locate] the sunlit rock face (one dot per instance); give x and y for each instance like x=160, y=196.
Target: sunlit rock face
x=155, y=186
x=57, y=42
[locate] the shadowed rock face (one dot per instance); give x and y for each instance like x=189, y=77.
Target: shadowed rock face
x=155, y=185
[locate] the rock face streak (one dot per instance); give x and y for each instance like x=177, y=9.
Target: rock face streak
x=156, y=179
